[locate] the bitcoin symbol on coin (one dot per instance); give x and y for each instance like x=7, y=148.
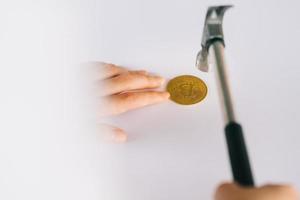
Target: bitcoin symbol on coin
x=187, y=89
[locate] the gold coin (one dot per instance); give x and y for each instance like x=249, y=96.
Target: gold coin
x=187, y=89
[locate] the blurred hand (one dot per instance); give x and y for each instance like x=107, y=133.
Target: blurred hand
x=230, y=191
x=122, y=90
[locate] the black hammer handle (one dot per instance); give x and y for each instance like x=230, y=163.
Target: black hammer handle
x=238, y=155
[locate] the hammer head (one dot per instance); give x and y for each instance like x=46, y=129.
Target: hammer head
x=212, y=32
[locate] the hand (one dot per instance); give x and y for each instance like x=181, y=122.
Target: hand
x=122, y=90
x=230, y=191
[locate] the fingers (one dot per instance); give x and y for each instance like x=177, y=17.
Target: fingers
x=120, y=103
x=279, y=192
x=121, y=90
x=112, y=134
x=131, y=80
x=100, y=70
x=230, y=191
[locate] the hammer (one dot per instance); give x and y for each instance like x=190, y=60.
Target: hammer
x=213, y=45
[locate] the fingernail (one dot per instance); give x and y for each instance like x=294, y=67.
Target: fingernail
x=160, y=79
x=119, y=136
x=143, y=71
x=167, y=94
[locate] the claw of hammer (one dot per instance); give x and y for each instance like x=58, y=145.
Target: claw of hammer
x=212, y=31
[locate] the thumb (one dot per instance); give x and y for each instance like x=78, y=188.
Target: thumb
x=227, y=191
x=113, y=134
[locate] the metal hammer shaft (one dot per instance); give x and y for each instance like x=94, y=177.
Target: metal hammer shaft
x=217, y=51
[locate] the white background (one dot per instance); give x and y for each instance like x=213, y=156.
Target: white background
x=48, y=148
